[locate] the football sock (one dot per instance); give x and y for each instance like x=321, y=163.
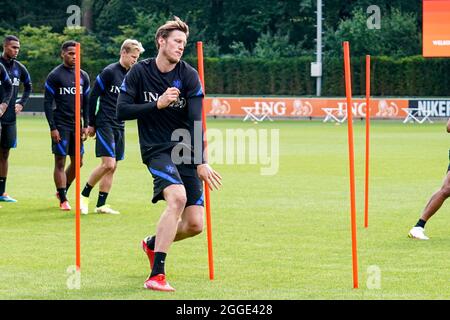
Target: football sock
x=62, y=194
x=87, y=190
x=158, y=265
x=2, y=185
x=421, y=223
x=101, y=199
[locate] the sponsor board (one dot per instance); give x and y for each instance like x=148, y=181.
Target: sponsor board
x=271, y=108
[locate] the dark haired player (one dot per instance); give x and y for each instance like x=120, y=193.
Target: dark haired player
x=60, y=89
x=18, y=74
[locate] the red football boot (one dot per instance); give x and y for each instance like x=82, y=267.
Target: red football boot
x=65, y=206
x=158, y=283
x=150, y=253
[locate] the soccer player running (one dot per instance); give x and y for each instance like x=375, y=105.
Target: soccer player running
x=164, y=94
x=110, y=143
x=60, y=88
x=18, y=74
x=433, y=205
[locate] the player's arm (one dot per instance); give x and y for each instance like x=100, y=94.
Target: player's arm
x=7, y=90
x=98, y=89
x=127, y=108
x=204, y=170
x=27, y=89
x=195, y=104
x=49, y=96
x=85, y=106
x=448, y=126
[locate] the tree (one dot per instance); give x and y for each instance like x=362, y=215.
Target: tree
x=398, y=36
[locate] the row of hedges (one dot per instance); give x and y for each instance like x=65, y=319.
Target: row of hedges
x=411, y=76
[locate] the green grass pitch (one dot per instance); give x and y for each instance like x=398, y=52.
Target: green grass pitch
x=285, y=236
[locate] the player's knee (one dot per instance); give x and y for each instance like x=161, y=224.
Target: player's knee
x=177, y=201
x=195, y=228
x=4, y=155
x=445, y=191
x=60, y=164
x=109, y=166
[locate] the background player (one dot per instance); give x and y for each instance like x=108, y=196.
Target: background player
x=18, y=74
x=110, y=142
x=433, y=205
x=60, y=88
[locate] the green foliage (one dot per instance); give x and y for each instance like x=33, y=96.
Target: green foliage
x=143, y=29
x=41, y=47
x=53, y=13
x=273, y=46
x=260, y=48
x=239, y=50
x=222, y=24
x=398, y=35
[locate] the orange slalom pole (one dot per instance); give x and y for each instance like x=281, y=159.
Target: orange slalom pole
x=366, y=187
x=77, y=152
x=348, y=91
x=205, y=141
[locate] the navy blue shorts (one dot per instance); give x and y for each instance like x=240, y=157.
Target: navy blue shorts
x=66, y=147
x=8, y=137
x=165, y=173
x=110, y=142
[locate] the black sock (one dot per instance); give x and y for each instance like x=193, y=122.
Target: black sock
x=62, y=194
x=421, y=223
x=67, y=187
x=87, y=190
x=151, y=242
x=102, y=199
x=158, y=265
x=2, y=185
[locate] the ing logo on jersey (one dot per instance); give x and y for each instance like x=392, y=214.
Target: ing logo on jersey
x=115, y=89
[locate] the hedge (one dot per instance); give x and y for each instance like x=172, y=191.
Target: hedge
x=411, y=76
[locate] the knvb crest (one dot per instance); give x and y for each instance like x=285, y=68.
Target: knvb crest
x=177, y=84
